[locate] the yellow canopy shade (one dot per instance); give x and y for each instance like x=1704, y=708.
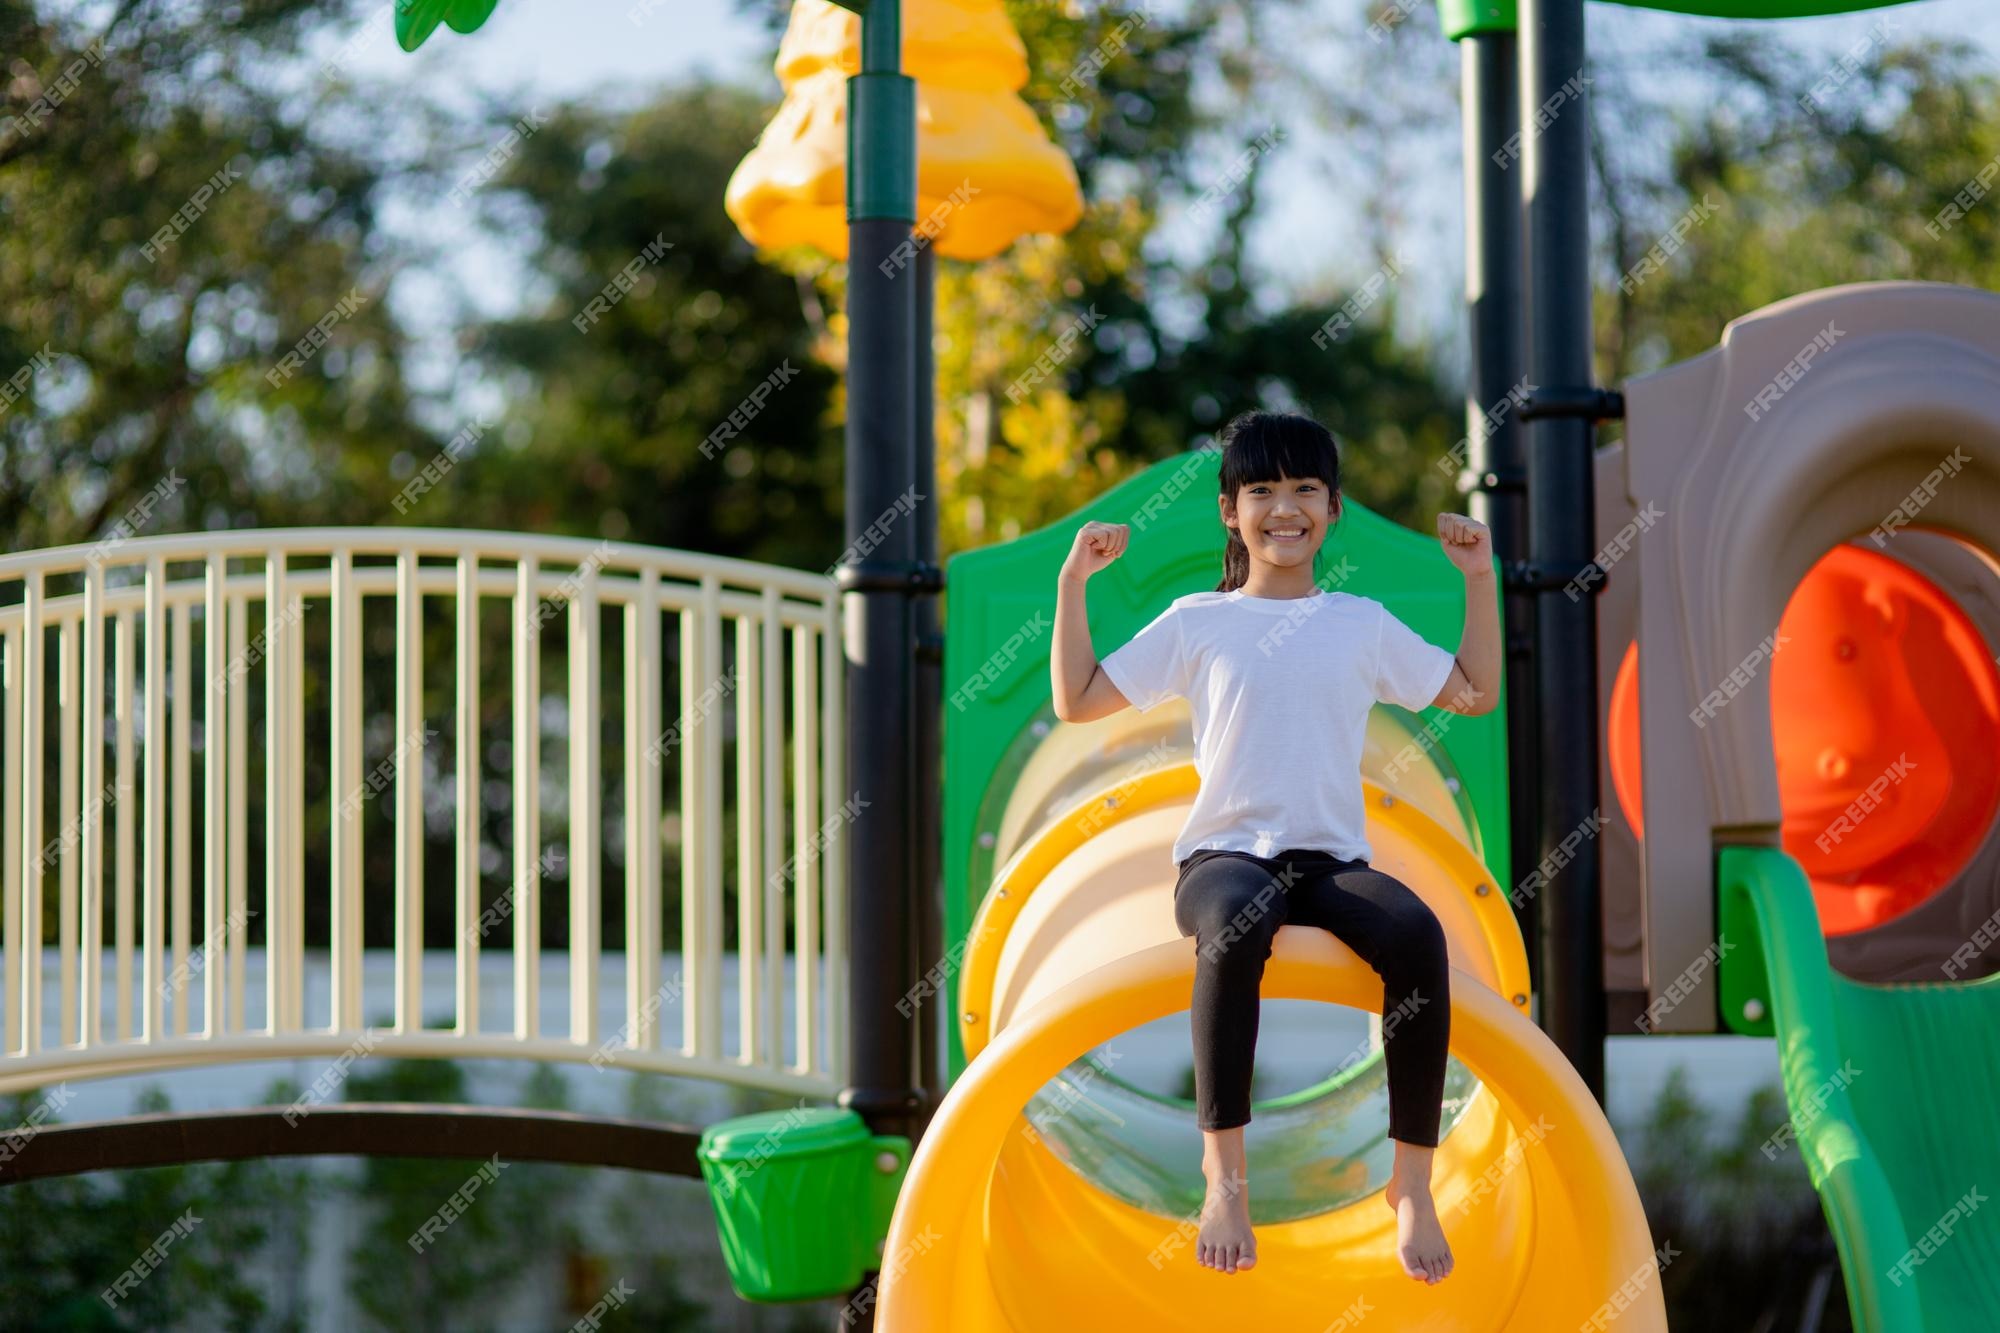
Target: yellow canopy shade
x=986, y=174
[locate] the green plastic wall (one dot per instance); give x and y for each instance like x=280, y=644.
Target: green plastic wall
x=1000, y=618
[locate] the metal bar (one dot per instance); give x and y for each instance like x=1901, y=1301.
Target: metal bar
x=94, y=793
x=153, y=876
x=467, y=803
x=214, y=772
x=614, y=589
x=128, y=814
x=366, y=1129
x=67, y=655
x=1555, y=173
x=643, y=745
x=749, y=848
x=585, y=793
x=29, y=998
x=409, y=797
x=277, y=758
x=832, y=870
x=280, y=756
x=11, y=809
x=708, y=858
x=239, y=812
x=1494, y=315
x=693, y=905
x=526, y=904
x=181, y=809
x=294, y=989
x=771, y=768
x=805, y=877
x=881, y=453
x=344, y=914
x=926, y=704
x=691, y=566
x=30, y=733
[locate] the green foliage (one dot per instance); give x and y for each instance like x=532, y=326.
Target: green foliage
x=1746, y=1231
x=517, y=1216
x=68, y=1239
x=159, y=344
x=611, y=416
x=1842, y=186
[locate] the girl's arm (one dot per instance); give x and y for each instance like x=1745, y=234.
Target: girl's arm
x=1473, y=687
x=1082, y=692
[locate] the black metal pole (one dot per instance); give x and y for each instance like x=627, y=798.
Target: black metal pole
x=876, y=577
x=1495, y=474
x=1555, y=175
x=926, y=730
x=881, y=471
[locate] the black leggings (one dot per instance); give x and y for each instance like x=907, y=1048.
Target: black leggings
x=1233, y=904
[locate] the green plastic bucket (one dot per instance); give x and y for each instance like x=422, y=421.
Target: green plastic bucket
x=802, y=1199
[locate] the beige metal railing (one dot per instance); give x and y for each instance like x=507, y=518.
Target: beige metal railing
x=350, y=628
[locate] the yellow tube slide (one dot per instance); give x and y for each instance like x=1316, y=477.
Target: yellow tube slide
x=1075, y=945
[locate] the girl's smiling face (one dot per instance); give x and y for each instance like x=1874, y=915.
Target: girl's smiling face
x=1282, y=523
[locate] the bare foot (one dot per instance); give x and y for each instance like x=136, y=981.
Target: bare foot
x=1226, y=1242
x=1420, y=1242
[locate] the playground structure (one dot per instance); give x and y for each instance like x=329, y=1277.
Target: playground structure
x=1790, y=612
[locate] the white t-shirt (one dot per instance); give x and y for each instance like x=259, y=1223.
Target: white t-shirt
x=1280, y=689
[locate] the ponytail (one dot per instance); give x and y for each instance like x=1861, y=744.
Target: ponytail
x=1235, y=564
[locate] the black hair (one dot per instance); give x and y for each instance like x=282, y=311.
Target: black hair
x=1266, y=447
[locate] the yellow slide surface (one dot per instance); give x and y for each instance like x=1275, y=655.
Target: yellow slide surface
x=1075, y=945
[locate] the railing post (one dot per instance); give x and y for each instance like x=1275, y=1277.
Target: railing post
x=409, y=763
x=215, y=829
x=527, y=900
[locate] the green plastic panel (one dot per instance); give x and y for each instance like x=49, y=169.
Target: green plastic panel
x=1892, y=1090
x=1742, y=981
x=1001, y=606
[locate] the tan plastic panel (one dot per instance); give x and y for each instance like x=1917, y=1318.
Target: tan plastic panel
x=1902, y=374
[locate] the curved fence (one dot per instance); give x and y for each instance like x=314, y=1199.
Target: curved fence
x=419, y=792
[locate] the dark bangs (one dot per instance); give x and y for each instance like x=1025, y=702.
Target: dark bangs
x=1270, y=446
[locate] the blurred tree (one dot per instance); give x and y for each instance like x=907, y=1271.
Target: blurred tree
x=1748, y=1239
x=519, y=1217
x=175, y=217
x=614, y=404
x=69, y=1238
x=1795, y=175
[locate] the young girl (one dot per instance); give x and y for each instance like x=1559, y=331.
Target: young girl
x=1275, y=834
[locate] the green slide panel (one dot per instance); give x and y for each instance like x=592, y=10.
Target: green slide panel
x=1894, y=1092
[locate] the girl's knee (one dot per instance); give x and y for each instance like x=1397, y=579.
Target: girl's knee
x=1420, y=942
